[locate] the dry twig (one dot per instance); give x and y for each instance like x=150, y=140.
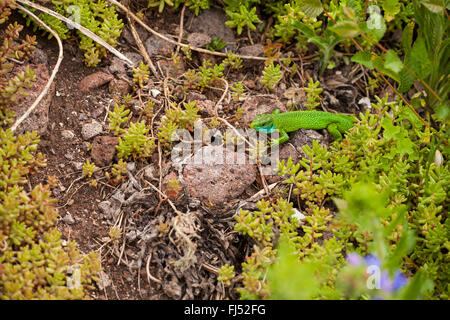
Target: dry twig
x=54, y=72
x=216, y=113
x=180, y=35
x=147, y=270
x=177, y=43
x=142, y=47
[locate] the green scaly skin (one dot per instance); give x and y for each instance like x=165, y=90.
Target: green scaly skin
x=336, y=124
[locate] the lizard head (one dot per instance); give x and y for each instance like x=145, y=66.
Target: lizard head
x=263, y=122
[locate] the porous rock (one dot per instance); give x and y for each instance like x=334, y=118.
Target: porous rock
x=256, y=105
x=94, y=81
x=303, y=137
x=158, y=47
x=92, y=129
x=198, y=40
x=119, y=88
x=212, y=23
x=256, y=50
x=103, y=150
x=216, y=176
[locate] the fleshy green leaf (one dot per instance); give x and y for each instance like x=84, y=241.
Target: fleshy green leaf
x=304, y=28
x=404, y=144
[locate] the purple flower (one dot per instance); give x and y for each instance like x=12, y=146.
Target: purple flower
x=354, y=259
x=387, y=284
x=399, y=281
x=371, y=260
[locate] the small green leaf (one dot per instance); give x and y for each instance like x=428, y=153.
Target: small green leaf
x=349, y=13
x=391, y=7
x=312, y=8
x=436, y=6
x=417, y=59
x=390, y=130
x=304, y=28
x=404, y=144
x=364, y=58
x=443, y=111
x=393, y=62
x=406, y=80
x=346, y=29
x=408, y=35
x=418, y=285
x=404, y=246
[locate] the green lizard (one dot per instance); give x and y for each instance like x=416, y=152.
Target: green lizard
x=285, y=122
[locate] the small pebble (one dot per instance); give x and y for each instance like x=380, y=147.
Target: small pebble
x=67, y=134
x=77, y=165
x=131, y=167
x=69, y=156
x=68, y=219
x=92, y=129
x=300, y=217
x=155, y=92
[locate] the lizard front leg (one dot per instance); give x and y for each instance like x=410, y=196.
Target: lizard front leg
x=284, y=137
x=333, y=129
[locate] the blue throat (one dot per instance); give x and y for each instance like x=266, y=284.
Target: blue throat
x=266, y=129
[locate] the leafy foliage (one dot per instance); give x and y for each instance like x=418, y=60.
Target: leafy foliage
x=34, y=261
x=208, y=74
x=391, y=193
x=313, y=95
x=117, y=118
x=141, y=74
x=226, y=273
x=11, y=49
x=135, y=142
x=89, y=169
x=425, y=59
x=119, y=170
x=271, y=75
x=216, y=44
x=177, y=118
x=243, y=18
x=377, y=198
x=237, y=90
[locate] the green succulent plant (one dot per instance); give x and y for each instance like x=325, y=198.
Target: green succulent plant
x=35, y=263
x=97, y=16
